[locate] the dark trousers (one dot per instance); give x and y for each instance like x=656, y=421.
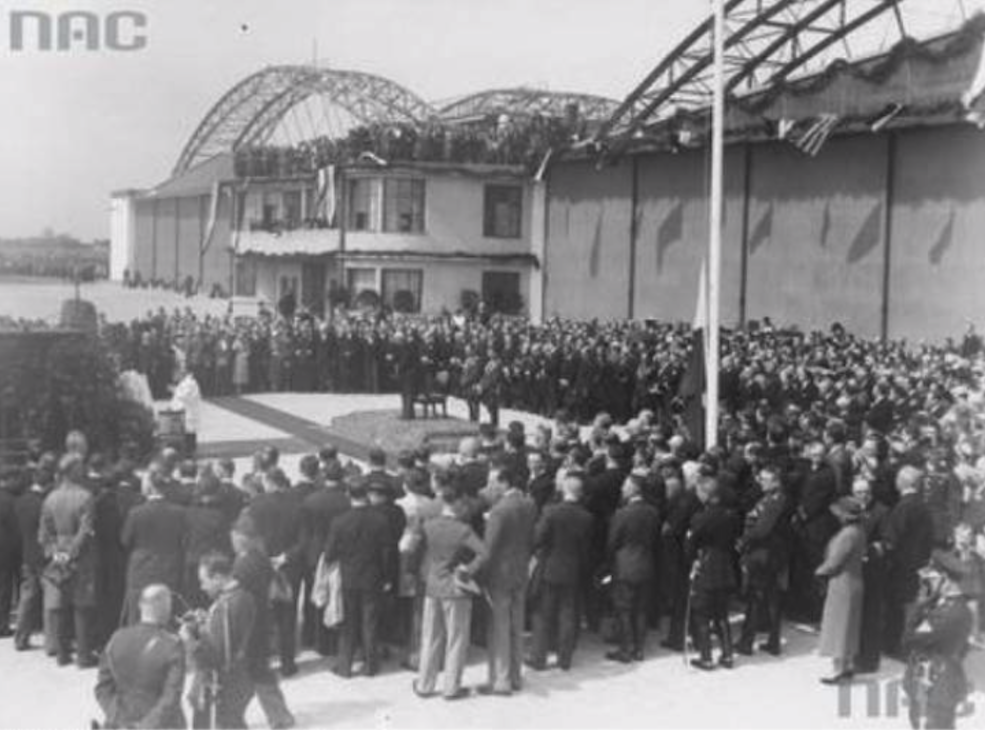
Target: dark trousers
x=474, y=409
x=29, y=606
x=557, y=611
x=709, y=613
x=936, y=717
x=285, y=621
x=493, y=407
x=630, y=602
x=66, y=619
x=362, y=611
x=763, y=605
x=8, y=579
x=230, y=703
x=873, y=618
x=901, y=594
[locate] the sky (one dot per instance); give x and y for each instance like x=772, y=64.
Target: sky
x=76, y=125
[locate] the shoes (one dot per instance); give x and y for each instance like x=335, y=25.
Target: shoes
x=6, y=633
x=64, y=660
x=867, y=668
x=638, y=655
x=286, y=724
x=744, y=649
x=773, y=649
x=536, y=666
x=490, y=691
x=672, y=645
x=423, y=695
x=342, y=672
x=727, y=662
x=408, y=665
x=618, y=656
x=23, y=645
x=459, y=694
x=288, y=670
x=840, y=678
x=87, y=661
x=704, y=664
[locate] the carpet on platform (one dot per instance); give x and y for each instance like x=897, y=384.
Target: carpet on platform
x=386, y=430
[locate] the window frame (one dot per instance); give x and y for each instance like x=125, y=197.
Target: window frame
x=488, y=211
x=416, y=183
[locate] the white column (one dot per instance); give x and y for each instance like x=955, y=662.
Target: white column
x=538, y=247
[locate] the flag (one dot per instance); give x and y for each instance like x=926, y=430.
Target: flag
x=539, y=175
x=213, y=217
x=596, y=252
x=811, y=141
x=944, y=242
x=692, y=388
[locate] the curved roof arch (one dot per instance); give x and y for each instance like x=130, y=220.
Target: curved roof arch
x=251, y=110
x=527, y=102
x=767, y=42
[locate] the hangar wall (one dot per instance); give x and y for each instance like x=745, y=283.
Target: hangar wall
x=813, y=230
x=168, y=234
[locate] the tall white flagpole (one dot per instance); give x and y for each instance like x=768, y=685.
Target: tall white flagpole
x=715, y=237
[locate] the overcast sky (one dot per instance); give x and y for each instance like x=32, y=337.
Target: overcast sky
x=75, y=126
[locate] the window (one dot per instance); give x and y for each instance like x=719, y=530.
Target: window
x=504, y=206
x=403, y=205
x=292, y=208
x=361, y=205
x=246, y=277
x=402, y=289
x=358, y=280
x=501, y=291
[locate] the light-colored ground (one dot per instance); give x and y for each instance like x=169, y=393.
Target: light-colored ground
x=42, y=299
x=762, y=692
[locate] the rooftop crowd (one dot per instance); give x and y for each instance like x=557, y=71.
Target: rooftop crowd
x=850, y=475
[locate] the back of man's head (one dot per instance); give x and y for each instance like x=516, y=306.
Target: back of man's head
x=468, y=448
x=155, y=604
x=909, y=480
x=572, y=487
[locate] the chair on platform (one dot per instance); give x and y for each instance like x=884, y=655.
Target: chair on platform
x=434, y=393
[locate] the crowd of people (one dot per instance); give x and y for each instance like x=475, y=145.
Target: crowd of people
x=847, y=489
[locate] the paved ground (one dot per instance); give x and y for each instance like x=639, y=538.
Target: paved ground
x=762, y=692
x=42, y=299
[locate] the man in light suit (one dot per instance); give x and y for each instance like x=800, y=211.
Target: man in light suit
x=509, y=539
x=451, y=552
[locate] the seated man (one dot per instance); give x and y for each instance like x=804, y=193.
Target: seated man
x=142, y=670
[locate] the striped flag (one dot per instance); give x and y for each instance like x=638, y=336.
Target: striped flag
x=213, y=217
x=811, y=141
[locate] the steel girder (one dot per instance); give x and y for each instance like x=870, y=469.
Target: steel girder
x=527, y=102
x=249, y=112
x=766, y=42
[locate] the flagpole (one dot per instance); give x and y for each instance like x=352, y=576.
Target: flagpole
x=715, y=237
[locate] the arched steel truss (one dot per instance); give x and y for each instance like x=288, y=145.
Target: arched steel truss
x=249, y=112
x=527, y=102
x=767, y=42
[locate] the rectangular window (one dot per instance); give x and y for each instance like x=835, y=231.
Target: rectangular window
x=292, y=208
x=361, y=205
x=403, y=205
x=246, y=277
x=360, y=279
x=402, y=289
x=503, y=210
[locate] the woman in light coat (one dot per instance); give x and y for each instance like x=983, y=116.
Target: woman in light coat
x=841, y=623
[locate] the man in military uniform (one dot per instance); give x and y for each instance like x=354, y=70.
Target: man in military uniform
x=142, y=670
x=764, y=549
x=936, y=640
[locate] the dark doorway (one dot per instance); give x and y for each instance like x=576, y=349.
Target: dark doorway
x=501, y=291
x=313, y=290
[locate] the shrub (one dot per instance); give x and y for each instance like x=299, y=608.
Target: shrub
x=367, y=299
x=404, y=301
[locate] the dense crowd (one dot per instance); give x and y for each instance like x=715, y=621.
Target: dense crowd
x=849, y=475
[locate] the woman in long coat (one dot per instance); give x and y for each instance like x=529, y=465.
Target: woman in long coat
x=841, y=622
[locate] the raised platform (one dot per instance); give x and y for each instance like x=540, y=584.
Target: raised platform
x=386, y=430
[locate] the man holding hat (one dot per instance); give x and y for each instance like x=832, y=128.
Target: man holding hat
x=936, y=640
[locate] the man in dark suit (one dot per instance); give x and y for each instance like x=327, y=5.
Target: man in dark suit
x=142, y=670
x=602, y=494
x=153, y=537
x=561, y=545
x=814, y=526
x=710, y=546
x=277, y=516
x=764, y=550
x=675, y=579
x=875, y=516
x=318, y=513
x=542, y=488
x=360, y=541
x=10, y=545
x=632, y=551
x=377, y=474
x=909, y=542
x=28, y=510
x=509, y=540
